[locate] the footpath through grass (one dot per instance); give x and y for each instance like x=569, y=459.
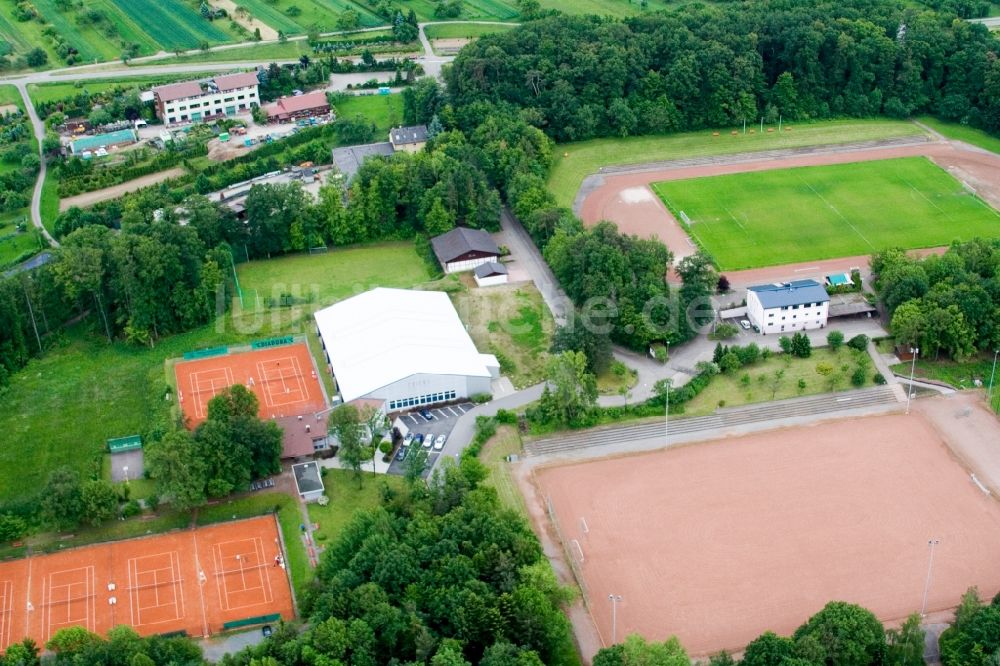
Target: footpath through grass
x=767, y=218
x=505, y=442
x=964, y=133
x=575, y=161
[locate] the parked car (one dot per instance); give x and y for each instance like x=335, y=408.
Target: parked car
x=439, y=442
x=428, y=440
x=418, y=439
x=408, y=439
x=266, y=630
x=426, y=413
x=401, y=454
x=745, y=324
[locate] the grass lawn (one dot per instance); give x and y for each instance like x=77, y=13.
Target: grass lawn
x=575, y=161
x=964, y=133
x=959, y=375
x=615, y=378
x=733, y=390
x=50, y=201
x=386, y=111
x=325, y=278
x=346, y=497
x=289, y=519
x=10, y=95
x=494, y=456
x=15, y=245
x=784, y=216
x=513, y=323
x=463, y=30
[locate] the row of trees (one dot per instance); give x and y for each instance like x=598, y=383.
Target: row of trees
x=943, y=303
x=716, y=65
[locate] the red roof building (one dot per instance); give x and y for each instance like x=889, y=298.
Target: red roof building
x=288, y=109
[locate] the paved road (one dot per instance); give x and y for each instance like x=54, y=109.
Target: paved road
x=992, y=22
x=529, y=258
x=36, y=196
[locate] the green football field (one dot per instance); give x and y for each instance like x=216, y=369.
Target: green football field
x=769, y=218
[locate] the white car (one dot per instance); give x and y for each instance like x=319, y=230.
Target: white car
x=428, y=440
x=439, y=442
x=745, y=324
x=408, y=439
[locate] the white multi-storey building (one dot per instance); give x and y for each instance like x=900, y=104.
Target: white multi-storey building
x=788, y=306
x=195, y=101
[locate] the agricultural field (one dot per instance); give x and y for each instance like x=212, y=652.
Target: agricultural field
x=319, y=13
x=52, y=92
x=330, y=276
x=784, y=216
x=173, y=24
x=575, y=161
x=463, y=30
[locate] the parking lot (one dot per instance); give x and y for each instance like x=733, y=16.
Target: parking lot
x=444, y=419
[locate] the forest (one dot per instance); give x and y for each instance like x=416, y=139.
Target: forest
x=714, y=65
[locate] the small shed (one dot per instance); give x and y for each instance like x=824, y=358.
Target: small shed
x=462, y=249
x=490, y=274
x=308, y=481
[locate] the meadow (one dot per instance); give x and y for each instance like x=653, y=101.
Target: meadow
x=52, y=92
x=334, y=275
x=784, y=216
x=575, y=161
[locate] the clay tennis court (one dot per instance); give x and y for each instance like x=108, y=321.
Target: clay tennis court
x=283, y=378
x=193, y=581
x=718, y=542
x=626, y=200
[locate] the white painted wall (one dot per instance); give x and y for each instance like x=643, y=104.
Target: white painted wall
x=491, y=280
x=777, y=320
x=468, y=264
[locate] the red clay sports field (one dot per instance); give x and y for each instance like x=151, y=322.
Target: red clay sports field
x=193, y=581
x=718, y=542
x=283, y=378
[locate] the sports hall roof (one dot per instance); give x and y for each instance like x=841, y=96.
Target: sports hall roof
x=385, y=335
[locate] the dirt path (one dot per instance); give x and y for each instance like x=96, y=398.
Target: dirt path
x=90, y=198
x=626, y=198
x=251, y=23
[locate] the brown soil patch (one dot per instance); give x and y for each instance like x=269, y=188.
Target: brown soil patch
x=251, y=23
x=90, y=198
x=719, y=542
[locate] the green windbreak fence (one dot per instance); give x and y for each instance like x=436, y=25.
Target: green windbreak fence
x=272, y=342
x=119, y=444
x=249, y=621
x=205, y=353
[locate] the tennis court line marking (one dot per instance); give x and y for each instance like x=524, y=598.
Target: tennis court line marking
x=260, y=566
x=198, y=389
x=174, y=583
x=6, y=612
x=88, y=598
x=294, y=394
